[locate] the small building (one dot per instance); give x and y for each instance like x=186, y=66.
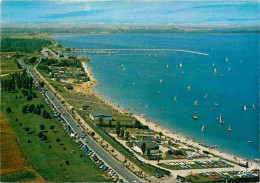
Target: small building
x=153, y=146
x=95, y=115
x=69, y=87
x=86, y=107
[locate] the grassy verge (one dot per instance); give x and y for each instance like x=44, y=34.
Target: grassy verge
x=22, y=175
x=49, y=157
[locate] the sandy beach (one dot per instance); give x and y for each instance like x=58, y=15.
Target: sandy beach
x=88, y=90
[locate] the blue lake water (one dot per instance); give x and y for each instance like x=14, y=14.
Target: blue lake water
x=145, y=68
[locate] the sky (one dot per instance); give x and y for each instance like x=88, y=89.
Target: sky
x=233, y=12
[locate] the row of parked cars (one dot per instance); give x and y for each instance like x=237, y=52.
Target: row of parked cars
x=101, y=164
x=86, y=149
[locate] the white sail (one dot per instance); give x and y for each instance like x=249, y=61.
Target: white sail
x=196, y=102
x=181, y=65
x=254, y=106
x=160, y=80
x=229, y=69
x=206, y=95
x=221, y=120
x=182, y=73
x=189, y=87
x=175, y=99
x=245, y=108
x=167, y=66
x=226, y=59
x=202, y=128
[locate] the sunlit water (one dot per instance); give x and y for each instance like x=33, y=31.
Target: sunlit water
x=131, y=78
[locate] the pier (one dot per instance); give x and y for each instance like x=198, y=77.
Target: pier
x=140, y=49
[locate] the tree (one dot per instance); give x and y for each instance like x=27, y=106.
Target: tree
x=158, y=158
x=160, y=134
x=137, y=124
x=143, y=147
x=27, y=129
x=42, y=127
x=118, y=128
x=41, y=84
x=122, y=132
x=127, y=135
x=38, y=111
x=52, y=127
x=100, y=121
x=247, y=164
x=92, y=134
x=44, y=137
x=29, y=97
x=44, y=113
x=148, y=152
x=24, y=108
x=8, y=110
x=110, y=124
x=57, y=140
x=67, y=162
x=31, y=108
x=40, y=135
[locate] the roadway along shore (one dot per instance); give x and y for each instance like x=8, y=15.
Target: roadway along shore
x=109, y=160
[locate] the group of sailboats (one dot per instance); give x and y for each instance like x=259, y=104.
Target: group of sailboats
x=245, y=107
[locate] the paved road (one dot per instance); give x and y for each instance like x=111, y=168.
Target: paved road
x=110, y=161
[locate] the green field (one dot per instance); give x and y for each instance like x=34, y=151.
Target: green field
x=49, y=157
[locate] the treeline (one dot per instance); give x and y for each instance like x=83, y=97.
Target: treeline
x=17, y=81
x=46, y=62
x=23, y=45
x=31, y=60
x=70, y=63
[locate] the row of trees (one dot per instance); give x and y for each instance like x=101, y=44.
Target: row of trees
x=121, y=131
x=17, y=80
x=70, y=63
x=23, y=45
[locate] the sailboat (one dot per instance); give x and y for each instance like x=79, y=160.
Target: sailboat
x=160, y=80
x=202, y=129
x=180, y=65
x=167, y=66
x=226, y=59
x=196, y=102
x=206, y=95
x=195, y=116
x=215, y=71
x=189, y=87
x=254, y=106
x=229, y=128
x=229, y=69
x=245, y=108
x=217, y=118
x=221, y=120
x=182, y=73
x=213, y=64
x=175, y=99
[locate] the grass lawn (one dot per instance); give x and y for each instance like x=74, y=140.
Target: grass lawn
x=49, y=157
x=9, y=66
